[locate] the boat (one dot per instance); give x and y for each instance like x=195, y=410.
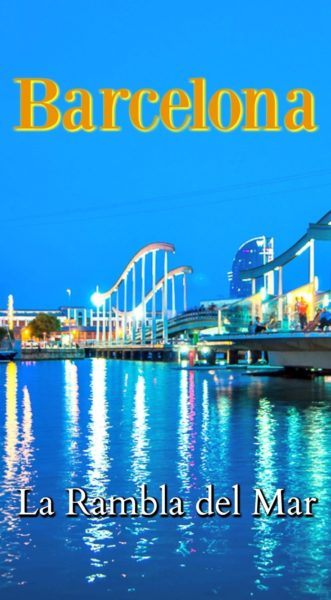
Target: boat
x=7, y=350
x=7, y=354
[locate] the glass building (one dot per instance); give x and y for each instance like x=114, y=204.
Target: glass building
x=253, y=253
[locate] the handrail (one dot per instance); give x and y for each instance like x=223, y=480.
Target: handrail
x=193, y=316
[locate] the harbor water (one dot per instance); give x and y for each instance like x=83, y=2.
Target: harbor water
x=111, y=426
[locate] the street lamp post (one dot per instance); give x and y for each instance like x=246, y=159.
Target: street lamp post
x=69, y=313
x=97, y=300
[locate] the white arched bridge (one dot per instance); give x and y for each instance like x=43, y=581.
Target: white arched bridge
x=145, y=308
x=137, y=308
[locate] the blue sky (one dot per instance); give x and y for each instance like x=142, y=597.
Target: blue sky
x=74, y=208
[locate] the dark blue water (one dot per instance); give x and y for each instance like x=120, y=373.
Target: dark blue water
x=111, y=426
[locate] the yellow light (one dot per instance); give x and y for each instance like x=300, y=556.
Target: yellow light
x=10, y=312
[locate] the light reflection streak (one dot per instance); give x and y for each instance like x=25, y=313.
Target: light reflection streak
x=266, y=537
x=140, y=442
x=310, y=542
x=18, y=473
x=98, y=533
x=140, y=472
x=205, y=423
x=192, y=431
x=11, y=426
x=98, y=428
x=183, y=433
x=71, y=393
x=187, y=471
x=215, y=454
x=216, y=416
x=27, y=441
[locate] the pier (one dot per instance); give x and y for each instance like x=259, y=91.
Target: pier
x=160, y=353
x=34, y=354
x=291, y=350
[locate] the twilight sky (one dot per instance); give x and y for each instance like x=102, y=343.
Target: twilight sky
x=75, y=207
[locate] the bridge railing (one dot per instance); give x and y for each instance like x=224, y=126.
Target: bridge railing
x=278, y=313
x=194, y=315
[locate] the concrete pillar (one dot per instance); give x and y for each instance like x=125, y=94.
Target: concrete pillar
x=97, y=337
x=117, y=317
x=75, y=315
x=312, y=261
x=154, y=297
x=173, y=297
x=143, y=303
x=130, y=336
x=165, y=299
x=133, y=324
x=280, y=281
x=125, y=309
x=271, y=283
x=184, y=293
x=219, y=321
x=84, y=317
x=253, y=287
x=110, y=327
x=104, y=321
x=280, y=294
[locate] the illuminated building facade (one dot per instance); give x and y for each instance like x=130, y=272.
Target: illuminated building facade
x=255, y=252
x=78, y=320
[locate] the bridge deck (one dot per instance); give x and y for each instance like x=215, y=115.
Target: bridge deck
x=272, y=341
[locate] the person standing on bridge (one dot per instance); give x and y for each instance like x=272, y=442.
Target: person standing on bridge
x=325, y=319
x=302, y=308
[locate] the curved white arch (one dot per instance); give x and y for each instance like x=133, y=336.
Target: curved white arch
x=321, y=230
x=184, y=270
x=142, y=252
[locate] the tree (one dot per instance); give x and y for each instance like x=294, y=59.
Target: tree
x=43, y=324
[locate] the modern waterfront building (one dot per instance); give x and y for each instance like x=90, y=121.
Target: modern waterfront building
x=255, y=252
x=21, y=318
x=78, y=324
x=79, y=321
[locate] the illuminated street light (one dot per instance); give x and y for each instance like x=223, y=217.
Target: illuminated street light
x=97, y=299
x=10, y=312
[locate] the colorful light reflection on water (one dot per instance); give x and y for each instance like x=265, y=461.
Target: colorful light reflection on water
x=111, y=426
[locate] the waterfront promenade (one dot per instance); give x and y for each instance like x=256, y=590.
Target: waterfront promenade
x=145, y=315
